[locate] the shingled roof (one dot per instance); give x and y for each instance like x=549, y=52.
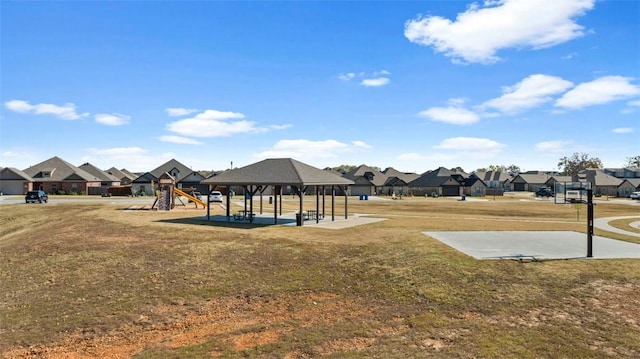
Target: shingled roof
x=278, y=171
x=56, y=169
x=95, y=171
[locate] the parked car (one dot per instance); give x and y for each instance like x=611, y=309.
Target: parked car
x=36, y=197
x=634, y=195
x=215, y=196
x=544, y=192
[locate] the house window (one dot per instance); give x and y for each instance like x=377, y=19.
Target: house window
x=74, y=187
x=54, y=188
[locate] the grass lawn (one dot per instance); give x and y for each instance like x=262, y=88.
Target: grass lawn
x=82, y=280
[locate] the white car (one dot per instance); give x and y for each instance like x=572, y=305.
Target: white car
x=634, y=195
x=215, y=196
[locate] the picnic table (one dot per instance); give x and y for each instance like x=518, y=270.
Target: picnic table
x=313, y=214
x=243, y=215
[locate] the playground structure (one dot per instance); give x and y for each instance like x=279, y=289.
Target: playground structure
x=168, y=194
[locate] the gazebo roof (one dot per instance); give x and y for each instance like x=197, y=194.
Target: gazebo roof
x=278, y=171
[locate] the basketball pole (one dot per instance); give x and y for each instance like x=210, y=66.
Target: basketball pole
x=590, y=222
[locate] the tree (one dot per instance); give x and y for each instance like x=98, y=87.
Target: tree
x=345, y=168
x=513, y=169
x=497, y=168
x=577, y=162
x=633, y=162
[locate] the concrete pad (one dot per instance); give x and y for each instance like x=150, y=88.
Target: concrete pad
x=289, y=219
x=533, y=245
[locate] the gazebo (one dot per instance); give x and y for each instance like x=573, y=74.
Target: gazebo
x=277, y=173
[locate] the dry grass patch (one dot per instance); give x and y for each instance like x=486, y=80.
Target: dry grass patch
x=94, y=280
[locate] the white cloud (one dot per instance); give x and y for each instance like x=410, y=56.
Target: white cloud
x=622, y=130
x=635, y=103
x=374, y=79
x=552, y=146
x=179, y=140
x=376, y=82
x=65, y=112
x=361, y=144
x=347, y=77
x=600, y=91
x=303, y=149
x=280, y=127
x=528, y=93
x=469, y=144
x=480, y=32
x=179, y=111
x=213, y=123
x=114, y=119
x=452, y=114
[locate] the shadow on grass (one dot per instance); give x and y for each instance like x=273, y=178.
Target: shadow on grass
x=223, y=221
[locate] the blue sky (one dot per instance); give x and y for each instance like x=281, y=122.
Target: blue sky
x=412, y=85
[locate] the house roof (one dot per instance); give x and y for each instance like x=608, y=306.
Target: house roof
x=95, y=171
x=183, y=170
x=534, y=177
x=598, y=177
x=361, y=171
x=403, y=176
x=277, y=171
x=120, y=174
x=14, y=174
x=436, y=177
x=566, y=179
x=498, y=176
x=635, y=182
x=58, y=170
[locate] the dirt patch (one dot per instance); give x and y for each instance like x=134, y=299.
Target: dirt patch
x=244, y=322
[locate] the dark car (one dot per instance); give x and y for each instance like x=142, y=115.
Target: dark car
x=544, y=192
x=36, y=197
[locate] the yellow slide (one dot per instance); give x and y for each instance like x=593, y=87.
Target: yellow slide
x=193, y=199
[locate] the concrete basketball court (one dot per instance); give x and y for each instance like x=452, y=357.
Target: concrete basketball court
x=534, y=245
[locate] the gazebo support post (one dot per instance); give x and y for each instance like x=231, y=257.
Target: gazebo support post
x=345, y=203
x=323, y=193
x=228, y=209
x=208, y=205
x=280, y=194
x=301, y=196
x=317, y=204
x=333, y=203
x=274, y=189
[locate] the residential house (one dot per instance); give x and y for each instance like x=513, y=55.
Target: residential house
x=474, y=187
x=367, y=181
x=529, y=181
x=496, y=182
x=602, y=184
x=186, y=178
x=396, y=181
x=627, y=186
x=56, y=175
x=14, y=181
x=439, y=182
x=123, y=175
x=106, y=180
x=557, y=183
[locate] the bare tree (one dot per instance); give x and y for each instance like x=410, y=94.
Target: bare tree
x=577, y=162
x=633, y=162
